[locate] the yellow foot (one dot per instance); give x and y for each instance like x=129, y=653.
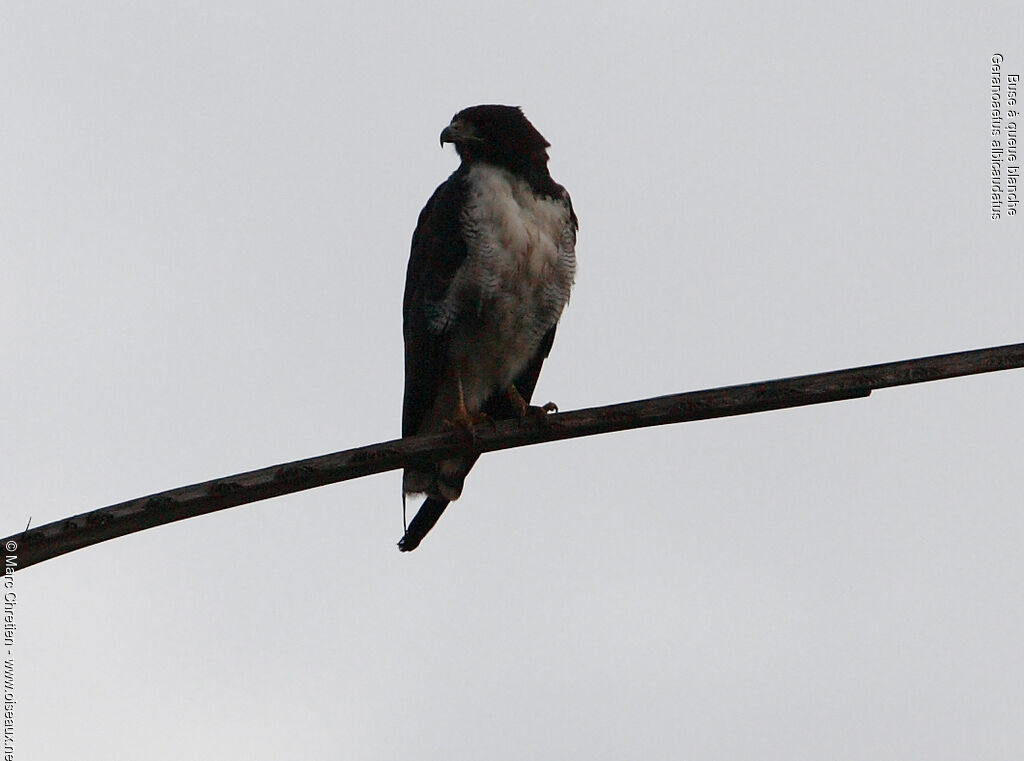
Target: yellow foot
x=523, y=409
x=540, y=414
x=463, y=421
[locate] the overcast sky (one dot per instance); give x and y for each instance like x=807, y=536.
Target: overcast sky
x=205, y=215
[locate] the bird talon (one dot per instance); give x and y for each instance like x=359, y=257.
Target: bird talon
x=540, y=414
x=467, y=422
x=524, y=409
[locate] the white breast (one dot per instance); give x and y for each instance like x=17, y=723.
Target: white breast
x=514, y=283
x=515, y=233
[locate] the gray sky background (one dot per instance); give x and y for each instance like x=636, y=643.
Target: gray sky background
x=205, y=217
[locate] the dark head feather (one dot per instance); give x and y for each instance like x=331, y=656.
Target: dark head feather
x=500, y=135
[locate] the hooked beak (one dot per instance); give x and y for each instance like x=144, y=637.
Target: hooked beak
x=448, y=135
x=459, y=133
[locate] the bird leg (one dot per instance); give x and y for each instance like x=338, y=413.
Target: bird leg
x=462, y=419
x=522, y=408
x=518, y=403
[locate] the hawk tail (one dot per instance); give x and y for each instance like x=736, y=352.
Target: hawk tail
x=421, y=524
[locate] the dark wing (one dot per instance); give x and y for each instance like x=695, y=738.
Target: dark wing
x=438, y=249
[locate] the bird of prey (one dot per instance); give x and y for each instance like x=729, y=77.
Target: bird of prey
x=492, y=264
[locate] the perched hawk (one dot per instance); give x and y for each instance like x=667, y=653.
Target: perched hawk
x=493, y=260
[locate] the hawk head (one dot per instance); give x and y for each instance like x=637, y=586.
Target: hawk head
x=499, y=135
